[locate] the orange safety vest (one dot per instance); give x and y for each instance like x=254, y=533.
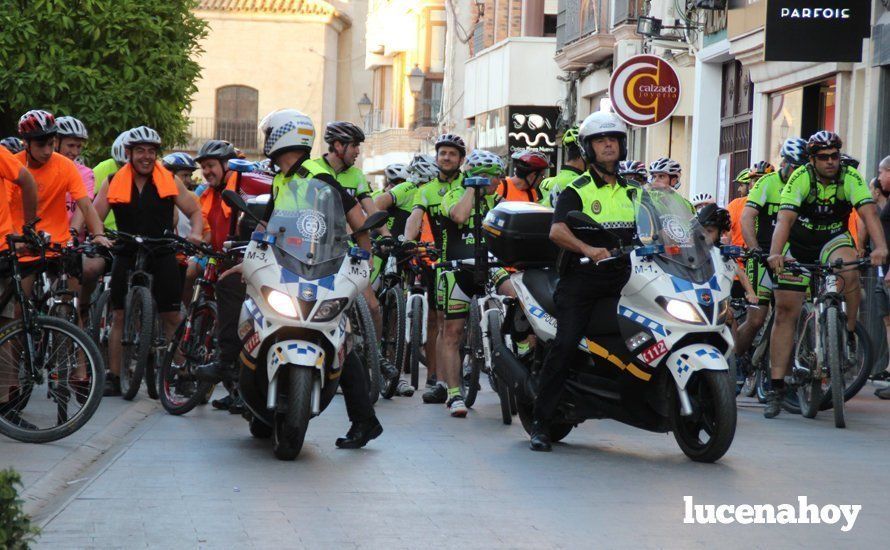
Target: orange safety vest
x=121, y=186
x=510, y=193
x=208, y=195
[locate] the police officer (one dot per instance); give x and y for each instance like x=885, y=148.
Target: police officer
x=601, y=194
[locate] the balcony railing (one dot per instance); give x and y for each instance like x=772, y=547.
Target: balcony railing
x=579, y=18
x=243, y=134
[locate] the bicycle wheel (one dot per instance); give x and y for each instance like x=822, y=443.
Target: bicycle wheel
x=416, y=345
x=365, y=344
x=495, y=321
x=136, y=340
x=810, y=391
x=66, y=363
x=154, y=355
x=392, y=341
x=193, y=344
x=472, y=362
x=857, y=369
x=833, y=345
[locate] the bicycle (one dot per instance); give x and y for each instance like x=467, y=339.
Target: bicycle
x=41, y=355
x=417, y=307
x=391, y=296
x=142, y=335
x=194, y=341
x=364, y=341
x=821, y=359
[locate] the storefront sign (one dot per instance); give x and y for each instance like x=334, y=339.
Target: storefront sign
x=816, y=30
x=645, y=90
x=533, y=128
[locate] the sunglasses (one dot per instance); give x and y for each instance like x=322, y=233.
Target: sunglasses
x=827, y=156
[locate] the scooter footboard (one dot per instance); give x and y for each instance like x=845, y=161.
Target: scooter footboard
x=692, y=358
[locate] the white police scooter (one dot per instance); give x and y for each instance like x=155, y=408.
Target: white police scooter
x=653, y=359
x=301, y=277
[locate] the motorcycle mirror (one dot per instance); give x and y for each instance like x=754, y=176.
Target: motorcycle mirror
x=374, y=221
x=236, y=202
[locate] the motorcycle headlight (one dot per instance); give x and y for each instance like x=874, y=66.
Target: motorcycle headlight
x=329, y=309
x=281, y=303
x=681, y=310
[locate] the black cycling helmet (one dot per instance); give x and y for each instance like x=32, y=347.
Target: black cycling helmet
x=13, y=144
x=452, y=140
x=216, y=149
x=823, y=139
x=847, y=160
x=344, y=132
x=712, y=215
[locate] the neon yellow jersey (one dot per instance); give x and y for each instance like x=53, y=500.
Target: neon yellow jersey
x=103, y=172
x=552, y=187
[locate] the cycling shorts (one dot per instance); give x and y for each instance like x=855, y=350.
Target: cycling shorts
x=166, y=281
x=800, y=282
x=456, y=289
x=761, y=277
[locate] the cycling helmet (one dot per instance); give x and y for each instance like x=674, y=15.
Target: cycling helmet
x=701, y=199
x=602, y=124
x=71, y=127
x=287, y=130
x=665, y=166
x=13, y=144
x=216, y=149
x=632, y=168
x=712, y=215
x=396, y=172
x=176, y=162
x=142, y=135
x=527, y=161
x=571, y=136
x=847, y=160
x=761, y=168
x=484, y=163
x=794, y=151
x=344, y=132
x=37, y=124
x=423, y=169
x=743, y=177
x=118, y=153
x=823, y=139
x=452, y=140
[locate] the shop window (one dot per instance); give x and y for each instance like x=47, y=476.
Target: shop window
x=736, y=108
x=237, y=109
x=801, y=112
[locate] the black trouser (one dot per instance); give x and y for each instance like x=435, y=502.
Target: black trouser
x=230, y=295
x=576, y=295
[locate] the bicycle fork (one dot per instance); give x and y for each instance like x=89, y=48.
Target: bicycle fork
x=424, y=312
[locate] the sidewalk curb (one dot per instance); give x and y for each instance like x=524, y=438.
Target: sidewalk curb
x=52, y=492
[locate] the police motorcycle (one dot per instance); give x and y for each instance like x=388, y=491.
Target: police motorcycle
x=301, y=276
x=653, y=358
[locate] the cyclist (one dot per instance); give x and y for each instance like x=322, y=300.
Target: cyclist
x=143, y=196
x=104, y=171
x=72, y=136
x=699, y=200
x=13, y=144
x=633, y=170
x=716, y=223
x=664, y=173
x=183, y=167
x=758, y=170
x=459, y=243
x=758, y=221
x=812, y=227
x=572, y=167
x=396, y=197
x=601, y=194
x=450, y=153
x=529, y=169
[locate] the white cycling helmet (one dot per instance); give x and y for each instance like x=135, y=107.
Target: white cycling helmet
x=423, y=169
x=667, y=166
x=118, y=153
x=71, y=127
x=702, y=199
x=602, y=124
x=396, y=171
x=287, y=130
x=142, y=135
x=484, y=163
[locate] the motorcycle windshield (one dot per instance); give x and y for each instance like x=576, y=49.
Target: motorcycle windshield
x=665, y=218
x=310, y=228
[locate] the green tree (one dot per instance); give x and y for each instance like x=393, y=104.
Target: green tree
x=114, y=64
x=16, y=530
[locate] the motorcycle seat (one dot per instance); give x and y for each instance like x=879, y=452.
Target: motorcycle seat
x=541, y=283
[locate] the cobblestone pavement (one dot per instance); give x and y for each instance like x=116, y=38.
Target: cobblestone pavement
x=201, y=481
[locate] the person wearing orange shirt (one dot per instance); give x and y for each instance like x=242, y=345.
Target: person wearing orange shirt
x=529, y=170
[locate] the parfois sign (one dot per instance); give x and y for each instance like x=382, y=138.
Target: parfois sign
x=645, y=90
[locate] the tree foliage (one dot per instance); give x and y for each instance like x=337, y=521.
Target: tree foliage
x=114, y=64
x=16, y=530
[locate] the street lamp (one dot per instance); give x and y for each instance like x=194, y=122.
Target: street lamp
x=364, y=106
x=415, y=80
x=649, y=26
x=480, y=7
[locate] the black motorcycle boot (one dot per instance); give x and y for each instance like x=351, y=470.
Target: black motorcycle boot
x=359, y=434
x=540, y=439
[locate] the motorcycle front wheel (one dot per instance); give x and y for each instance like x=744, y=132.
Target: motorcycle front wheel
x=290, y=426
x=707, y=433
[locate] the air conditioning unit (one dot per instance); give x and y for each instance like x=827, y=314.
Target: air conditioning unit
x=710, y=4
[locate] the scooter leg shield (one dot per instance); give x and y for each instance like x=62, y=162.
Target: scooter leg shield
x=689, y=359
x=512, y=368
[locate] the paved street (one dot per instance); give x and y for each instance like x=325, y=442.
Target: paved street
x=433, y=481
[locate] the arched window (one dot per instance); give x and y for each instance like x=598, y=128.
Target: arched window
x=237, y=109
